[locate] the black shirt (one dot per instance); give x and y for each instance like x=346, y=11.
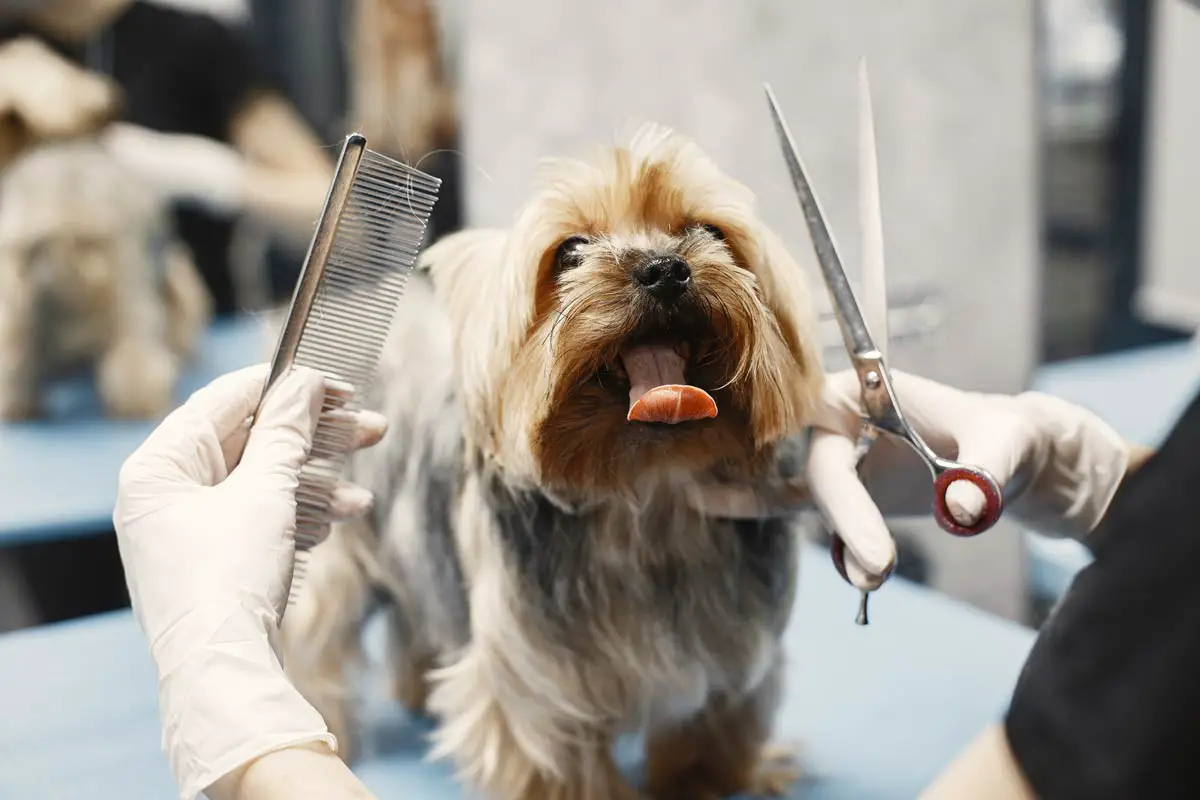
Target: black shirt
x=1108, y=704
x=180, y=72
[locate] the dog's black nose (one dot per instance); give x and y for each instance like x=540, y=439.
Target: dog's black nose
x=665, y=277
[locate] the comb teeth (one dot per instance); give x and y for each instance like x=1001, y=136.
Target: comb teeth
x=339, y=328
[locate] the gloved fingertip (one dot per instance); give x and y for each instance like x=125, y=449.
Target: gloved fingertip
x=868, y=541
x=371, y=426
x=867, y=578
x=350, y=500
x=966, y=502
x=338, y=392
x=305, y=379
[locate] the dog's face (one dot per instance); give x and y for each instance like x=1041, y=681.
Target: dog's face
x=73, y=225
x=643, y=324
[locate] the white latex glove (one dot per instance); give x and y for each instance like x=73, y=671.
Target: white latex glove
x=1070, y=461
x=181, y=166
x=207, y=548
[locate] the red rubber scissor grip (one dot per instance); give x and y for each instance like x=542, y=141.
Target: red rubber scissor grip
x=993, y=500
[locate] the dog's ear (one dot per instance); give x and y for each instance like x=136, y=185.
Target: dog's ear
x=469, y=279
x=785, y=292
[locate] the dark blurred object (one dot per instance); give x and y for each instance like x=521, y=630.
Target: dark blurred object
x=1122, y=329
x=401, y=93
x=375, y=66
x=1080, y=47
x=300, y=43
x=72, y=578
x=1093, y=58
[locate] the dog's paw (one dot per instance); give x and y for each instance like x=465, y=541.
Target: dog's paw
x=137, y=379
x=18, y=404
x=410, y=683
x=777, y=772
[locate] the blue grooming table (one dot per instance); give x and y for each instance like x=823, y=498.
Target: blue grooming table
x=878, y=710
x=1141, y=393
x=59, y=476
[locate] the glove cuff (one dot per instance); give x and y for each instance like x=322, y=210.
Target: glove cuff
x=1079, y=470
x=229, y=702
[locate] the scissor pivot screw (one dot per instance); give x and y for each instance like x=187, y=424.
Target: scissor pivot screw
x=872, y=380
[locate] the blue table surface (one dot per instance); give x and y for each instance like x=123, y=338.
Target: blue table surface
x=59, y=476
x=1141, y=393
x=878, y=711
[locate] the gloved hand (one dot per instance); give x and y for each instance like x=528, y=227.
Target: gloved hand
x=181, y=166
x=1070, y=460
x=207, y=548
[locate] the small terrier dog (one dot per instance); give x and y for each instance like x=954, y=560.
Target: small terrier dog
x=91, y=275
x=559, y=395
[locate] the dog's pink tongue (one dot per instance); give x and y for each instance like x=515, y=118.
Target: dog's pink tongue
x=657, y=390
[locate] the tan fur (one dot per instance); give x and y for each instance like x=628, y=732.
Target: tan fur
x=327, y=614
x=546, y=553
x=90, y=275
x=502, y=350
x=720, y=752
x=400, y=99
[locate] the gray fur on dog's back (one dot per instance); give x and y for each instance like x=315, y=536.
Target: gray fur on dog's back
x=414, y=471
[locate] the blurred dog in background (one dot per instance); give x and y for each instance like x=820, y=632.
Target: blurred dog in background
x=559, y=395
x=91, y=276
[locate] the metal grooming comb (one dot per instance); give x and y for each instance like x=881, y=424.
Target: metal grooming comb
x=365, y=244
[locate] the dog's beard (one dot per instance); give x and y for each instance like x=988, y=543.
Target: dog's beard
x=608, y=347
x=556, y=353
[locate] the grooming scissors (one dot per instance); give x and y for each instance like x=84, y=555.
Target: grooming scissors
x=881, y=407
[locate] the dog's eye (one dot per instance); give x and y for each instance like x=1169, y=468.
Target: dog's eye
x=713, y=231
x=567, y=255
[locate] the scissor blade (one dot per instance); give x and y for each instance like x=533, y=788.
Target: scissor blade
x=870, y=218
x=850, y=319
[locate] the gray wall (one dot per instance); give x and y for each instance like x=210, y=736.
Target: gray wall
x=954, y=103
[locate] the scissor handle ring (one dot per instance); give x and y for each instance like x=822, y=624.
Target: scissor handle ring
x=837, y=552
x=992, y=496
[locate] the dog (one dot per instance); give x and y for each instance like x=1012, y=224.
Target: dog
x=91, y=276
x=559, y=395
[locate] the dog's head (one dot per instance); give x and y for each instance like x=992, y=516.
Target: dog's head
x=641, y=321
x=74, y=225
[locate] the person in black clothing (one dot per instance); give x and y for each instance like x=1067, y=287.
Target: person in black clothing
x=200, y=118
x=1107, y=706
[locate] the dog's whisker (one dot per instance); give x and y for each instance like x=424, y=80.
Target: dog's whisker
x=564, y=315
